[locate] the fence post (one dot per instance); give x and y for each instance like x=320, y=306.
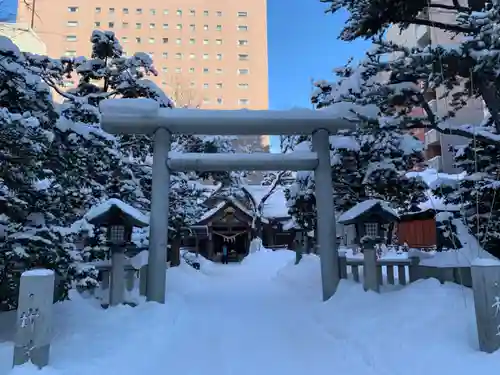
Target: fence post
x=371, y=281
x=130, y=280
x=486, y=288
x=414, y=269
x=343, y=264
x=143, y=279
x=34, y=318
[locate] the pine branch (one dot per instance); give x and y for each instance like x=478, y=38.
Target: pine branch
x=439, y=25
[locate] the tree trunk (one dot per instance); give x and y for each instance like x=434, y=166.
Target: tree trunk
x=175, y=252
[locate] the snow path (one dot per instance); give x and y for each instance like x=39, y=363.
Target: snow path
x=265, y=317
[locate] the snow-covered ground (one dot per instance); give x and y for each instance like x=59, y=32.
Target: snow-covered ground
x=265, y=316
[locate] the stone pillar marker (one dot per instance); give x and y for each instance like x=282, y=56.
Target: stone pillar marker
x=34, y=318
x=486, y=287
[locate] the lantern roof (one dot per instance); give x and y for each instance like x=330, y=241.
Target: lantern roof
x=116, y=212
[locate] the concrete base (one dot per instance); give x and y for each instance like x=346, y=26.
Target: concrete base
x=39, y=356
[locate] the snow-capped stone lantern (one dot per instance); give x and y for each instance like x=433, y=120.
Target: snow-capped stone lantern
x=120, y=219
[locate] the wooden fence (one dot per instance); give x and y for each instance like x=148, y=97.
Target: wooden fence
x=398, y=271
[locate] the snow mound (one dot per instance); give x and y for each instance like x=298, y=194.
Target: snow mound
x=304, y=277
x=267, y=261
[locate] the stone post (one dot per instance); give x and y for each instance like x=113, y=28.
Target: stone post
x=143, y=280
x=158, y=225
x=486, y=287
x=325, y=227
x=371, y=279
x=117, y=293
x=34, y=318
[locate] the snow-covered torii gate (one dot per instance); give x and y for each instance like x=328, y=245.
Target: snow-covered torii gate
x=143, y=116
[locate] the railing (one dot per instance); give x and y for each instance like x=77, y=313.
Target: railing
x=402, y=271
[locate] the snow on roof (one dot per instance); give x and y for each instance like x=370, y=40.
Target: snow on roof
x=275, y=205
x=104, y=207
x=362, y=207
x=434, y=179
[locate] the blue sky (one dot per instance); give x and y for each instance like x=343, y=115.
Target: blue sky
x=302, y=42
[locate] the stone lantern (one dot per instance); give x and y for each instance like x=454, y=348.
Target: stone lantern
x=119, y=218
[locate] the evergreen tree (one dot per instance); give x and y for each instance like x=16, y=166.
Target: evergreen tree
x=368, y=163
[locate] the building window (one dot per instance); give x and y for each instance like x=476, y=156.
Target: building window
x=179, y=26
x=71, y=38
x=205, y=86
x=243, y=86
x=243, y=71
x=138, y=25
x=192, y=41
x=219, y=56
x=218, y=85
x=205, y=41
x=191, y=70
x=125, y=25
x=205, y=70
x=242, y=56
x=152, y=25
x=73, y=9
x=125, y=10
x=243, y=101
x=111, y=25
x=205, y=27
x=206, y=101
x=192, y=84
x=112, y=10
x=98, y=10
x=218, y=71
x=371, y=229
x=178, y=41
x=192, y=27
x=138, y=40
x=124, y=39
x=218, y=27
x=151, y=54
x=165, y=26
x=164, y=40
x=70, y=53
x=164, y=69
x=152, y=12
x=205, y=56
x=243, y=42
x=242, y=28
x=138, y=11
x=164, y=55
x=178, y=56
x=179, y=12
x=165, y=12
x=97, y=24
x=192, y=56
x=218, y=41
x=205, y=12
x=192, y=12
x=178, y=70
x=242, y=14
x=151, y=40
x=219, y=100
x=72, y=23
x=219, y=13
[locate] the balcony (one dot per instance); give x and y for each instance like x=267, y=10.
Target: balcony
x=432, y=137
x=435, y=163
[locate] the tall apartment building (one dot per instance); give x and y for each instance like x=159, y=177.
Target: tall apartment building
x=209, y=54
x=437, y=145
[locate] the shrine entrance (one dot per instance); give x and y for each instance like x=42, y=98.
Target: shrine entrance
x=144, y=116
x=236, y=239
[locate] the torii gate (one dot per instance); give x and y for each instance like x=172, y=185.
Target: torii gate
x=143, y=116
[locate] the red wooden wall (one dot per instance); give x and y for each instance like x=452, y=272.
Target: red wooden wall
x=417, y=233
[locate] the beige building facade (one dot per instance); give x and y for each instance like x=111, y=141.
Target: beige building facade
x=208, y=54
